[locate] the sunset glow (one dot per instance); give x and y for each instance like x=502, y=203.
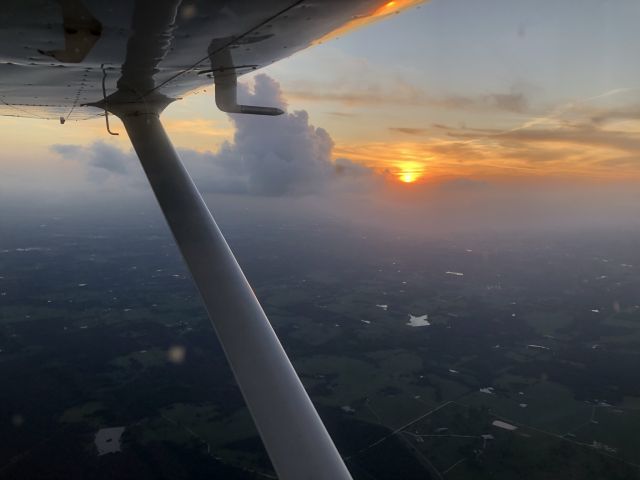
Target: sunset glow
x=383, y=11
x=408, y=177
x=399, y=109
x=409, y=172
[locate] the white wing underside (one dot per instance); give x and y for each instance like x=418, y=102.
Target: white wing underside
x=54, y=54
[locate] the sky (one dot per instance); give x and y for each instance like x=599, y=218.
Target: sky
x=448, y=110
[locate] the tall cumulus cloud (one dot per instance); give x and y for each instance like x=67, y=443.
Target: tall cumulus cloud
x=271, y=156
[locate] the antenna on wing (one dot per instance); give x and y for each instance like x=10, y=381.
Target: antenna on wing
x=104, y=98
x=227, y=96
x=225, y=77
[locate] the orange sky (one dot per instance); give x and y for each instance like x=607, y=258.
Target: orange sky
x=547, y=149
x=411, y=98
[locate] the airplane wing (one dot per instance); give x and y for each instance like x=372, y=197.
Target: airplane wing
x=54, y=54
x=62, y=59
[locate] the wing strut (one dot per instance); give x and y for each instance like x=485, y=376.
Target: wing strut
x=294, y=436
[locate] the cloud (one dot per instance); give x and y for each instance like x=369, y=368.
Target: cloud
x=576, y=143
x=353, y=177
x=509, y=102
x=379, y=91
x=271, y=156
x=567, y=142
x=404, y=94
x=558, y=148
x=342, y=114
x=287, y=155
x=102, y=160
x=462, y=183
x=106, y=157
x=67, y=151
x=268, y=156
x=582, y=135
x=410, y=130
x=607, y=116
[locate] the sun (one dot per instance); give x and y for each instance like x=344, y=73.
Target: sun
x=408, y=177
x=408, y=171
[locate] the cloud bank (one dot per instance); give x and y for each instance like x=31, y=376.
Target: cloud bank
x=270, y=160
x=268, y=156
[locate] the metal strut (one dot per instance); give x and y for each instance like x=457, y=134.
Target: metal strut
x=104, y=98
x=291, y=430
